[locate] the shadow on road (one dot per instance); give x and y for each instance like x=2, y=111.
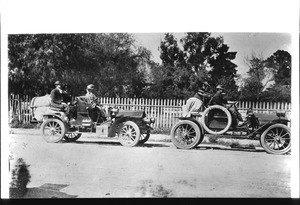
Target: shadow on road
x=229, y=148
x=115, y=143
x=48, y=191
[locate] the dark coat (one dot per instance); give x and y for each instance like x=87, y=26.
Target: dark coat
x=56, y=96
x=218, y=99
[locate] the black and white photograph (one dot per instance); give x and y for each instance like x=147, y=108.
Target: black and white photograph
x=162, y=99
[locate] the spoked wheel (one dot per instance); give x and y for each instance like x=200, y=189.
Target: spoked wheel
x=72, y=136
x=186, y=134
x=129, y=134
x=144, y=137
x=53, y=130
x=276, y=139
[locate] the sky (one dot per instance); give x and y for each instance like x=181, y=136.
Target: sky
x=245, y=44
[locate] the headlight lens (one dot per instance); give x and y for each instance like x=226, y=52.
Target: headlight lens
x=152, y=120
x=149, y=120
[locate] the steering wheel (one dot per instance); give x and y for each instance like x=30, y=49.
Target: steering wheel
x=232, y=103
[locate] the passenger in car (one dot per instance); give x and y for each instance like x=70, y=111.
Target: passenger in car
x=195, y=103
x=95, y=109
x=91, y=96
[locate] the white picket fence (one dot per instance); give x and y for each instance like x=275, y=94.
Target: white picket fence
x=165, y=111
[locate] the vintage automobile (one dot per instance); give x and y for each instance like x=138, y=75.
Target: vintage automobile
x=272, y=132
x=131, y=127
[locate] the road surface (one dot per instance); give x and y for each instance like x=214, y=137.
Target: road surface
x=93, y=167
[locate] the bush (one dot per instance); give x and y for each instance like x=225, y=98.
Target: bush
x=213, y=139
x=20, y=178
x=18, y=124
x=161, y=131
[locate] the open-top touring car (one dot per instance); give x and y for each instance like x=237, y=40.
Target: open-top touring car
x=272, y=132
x=132, y=127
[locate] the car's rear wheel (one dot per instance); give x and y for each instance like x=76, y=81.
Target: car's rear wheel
x=129, y=134
x=53, y=130
x=186, y=134
x=72, y=136
x=276, y=139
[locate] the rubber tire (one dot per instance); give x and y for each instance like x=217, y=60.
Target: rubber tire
x=135, y=127
x=61, y=125
x=145, y=139
x=267, y=148
x=73, y=139
x=206, y=111
x=197, y=131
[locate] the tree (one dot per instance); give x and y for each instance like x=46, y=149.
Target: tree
x=280, y=62
x=170, y=53
x=254, y=85
x=203, y=58
x=276, y=68
x=108, y=61
x=195, y=47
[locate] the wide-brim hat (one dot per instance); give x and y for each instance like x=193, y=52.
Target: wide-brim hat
x=57, y=83
x=90, y=87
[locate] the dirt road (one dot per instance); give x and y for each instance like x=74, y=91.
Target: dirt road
x=95, y=167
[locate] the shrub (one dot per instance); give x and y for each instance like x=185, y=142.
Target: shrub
x=20, y=178
x=161, y=131
x=18, y=124
x=213, y=139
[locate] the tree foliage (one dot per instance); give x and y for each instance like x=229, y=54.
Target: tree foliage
x=280, y=62
x=262, y=72
x=109, y=61
x=202, y=58
x=117, y=67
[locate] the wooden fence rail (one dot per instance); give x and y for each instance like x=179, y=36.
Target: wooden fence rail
x=165, y=111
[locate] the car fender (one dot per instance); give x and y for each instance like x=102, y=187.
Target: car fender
x=63, y=118
x=276, y=121
x=114, y=127
x=281, y=120
x=195, y=121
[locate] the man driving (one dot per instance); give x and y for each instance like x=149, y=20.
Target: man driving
x=56, y=96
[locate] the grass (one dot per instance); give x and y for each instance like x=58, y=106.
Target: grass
x=164, y=131
x=17, y=124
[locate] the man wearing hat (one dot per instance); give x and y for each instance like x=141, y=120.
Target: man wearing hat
x=57, y=98
x=89, y=93
x=218, y=98
x=95, y=108
x=195, y=103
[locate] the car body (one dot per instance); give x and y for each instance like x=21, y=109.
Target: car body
x=131, y=127
x=271, y=130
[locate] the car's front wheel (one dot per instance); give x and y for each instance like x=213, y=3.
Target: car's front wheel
x=129, y=134
x=276, y=139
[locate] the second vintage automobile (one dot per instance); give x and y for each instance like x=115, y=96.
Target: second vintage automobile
x=272, y=132
x=132, y=127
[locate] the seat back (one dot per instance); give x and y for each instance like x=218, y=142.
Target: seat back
x=82, y=103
